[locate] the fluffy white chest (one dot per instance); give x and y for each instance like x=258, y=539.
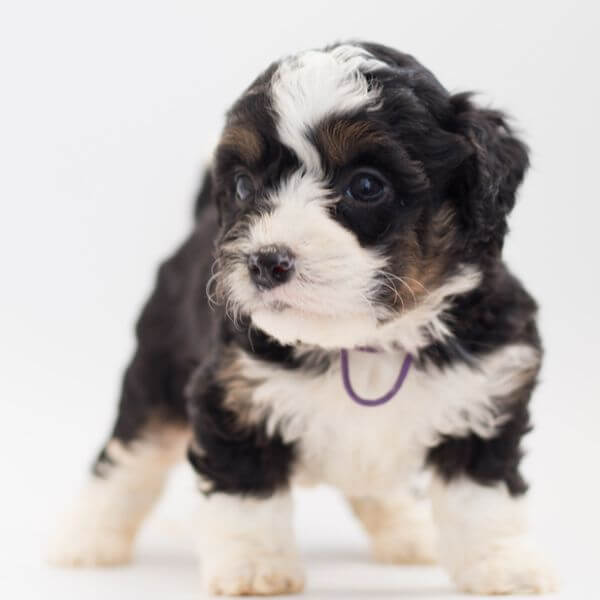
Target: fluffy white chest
x=363, y=449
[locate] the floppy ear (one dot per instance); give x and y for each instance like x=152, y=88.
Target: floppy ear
x=486, y=183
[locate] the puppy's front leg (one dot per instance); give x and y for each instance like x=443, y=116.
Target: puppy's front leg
x=246, y=538
x=484, y=542
x=247, y=545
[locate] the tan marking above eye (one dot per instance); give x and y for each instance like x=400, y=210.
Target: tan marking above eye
x=340, y=139
x=247, y=142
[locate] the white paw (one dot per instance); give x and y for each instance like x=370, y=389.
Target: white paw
x=507, y=568
x=402, y=550
x=88, y=547
x=410, y=547
x=245, y=575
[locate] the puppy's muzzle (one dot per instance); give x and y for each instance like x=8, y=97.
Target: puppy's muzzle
x=271, y=266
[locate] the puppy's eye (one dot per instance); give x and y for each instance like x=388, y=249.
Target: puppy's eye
x=244, y=188
x=365, y=187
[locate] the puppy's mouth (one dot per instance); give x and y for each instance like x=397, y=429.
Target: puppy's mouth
x=278, y=306
x=301, y=297
x=285, y=297
x=311, y=314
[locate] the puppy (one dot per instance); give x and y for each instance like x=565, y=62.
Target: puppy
x=340, y=314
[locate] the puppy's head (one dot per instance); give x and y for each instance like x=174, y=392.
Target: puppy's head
x=356, y=195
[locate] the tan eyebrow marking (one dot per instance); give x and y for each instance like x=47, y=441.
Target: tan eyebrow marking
x=340, y=139
x=245, y=141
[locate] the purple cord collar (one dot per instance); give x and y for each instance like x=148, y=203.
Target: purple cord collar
x=375, y=401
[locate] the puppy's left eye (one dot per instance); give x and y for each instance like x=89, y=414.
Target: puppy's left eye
x=365, y=187
x=244, y=188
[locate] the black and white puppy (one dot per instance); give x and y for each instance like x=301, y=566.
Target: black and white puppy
x=349, y=234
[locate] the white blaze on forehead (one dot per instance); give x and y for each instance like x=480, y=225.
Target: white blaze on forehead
x=316, y=84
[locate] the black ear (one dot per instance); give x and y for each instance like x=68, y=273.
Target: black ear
x=486, y=184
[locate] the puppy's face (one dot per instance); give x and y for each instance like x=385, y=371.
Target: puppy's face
x=351, y=187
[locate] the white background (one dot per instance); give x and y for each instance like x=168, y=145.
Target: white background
x=107, y=110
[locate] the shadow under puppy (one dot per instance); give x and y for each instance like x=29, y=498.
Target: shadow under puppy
x=365, y=329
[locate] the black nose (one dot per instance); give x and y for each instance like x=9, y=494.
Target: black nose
x=271, y=266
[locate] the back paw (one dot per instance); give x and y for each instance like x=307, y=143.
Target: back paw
x=417, y=547
x=90, y=546
x=401, y=531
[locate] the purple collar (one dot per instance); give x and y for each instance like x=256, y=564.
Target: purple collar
x=382, y=399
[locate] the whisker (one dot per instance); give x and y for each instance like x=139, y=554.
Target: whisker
x=402, y=280
x=389, y=283
x=394, y=290
x=418, y=283
x=211, y=291
x=412, y=293
x=370, y=305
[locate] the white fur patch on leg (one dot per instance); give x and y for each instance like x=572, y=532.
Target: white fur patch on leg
x=484, y=542
x=400, y=526
x=247, y=546
x=100, y=527
x=92, y=532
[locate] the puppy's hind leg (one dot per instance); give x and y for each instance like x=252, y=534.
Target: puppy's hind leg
x=400, y=527
x=151, y=431
x=126, y=481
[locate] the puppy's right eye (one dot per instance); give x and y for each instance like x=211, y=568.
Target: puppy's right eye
x=244, y=188
x=366, y=187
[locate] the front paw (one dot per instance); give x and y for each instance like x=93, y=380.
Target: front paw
x=258, y=574
x=507, y=568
